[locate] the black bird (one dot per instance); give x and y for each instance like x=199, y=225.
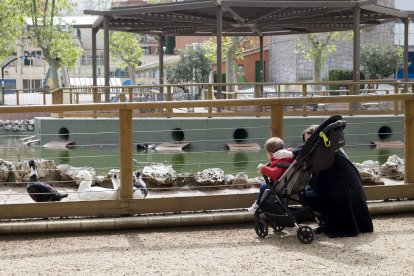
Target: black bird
x=40, y=191
x=140, y=188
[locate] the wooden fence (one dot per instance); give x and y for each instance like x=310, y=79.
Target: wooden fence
x=272, y=106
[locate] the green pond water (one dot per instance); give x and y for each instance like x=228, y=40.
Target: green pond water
x=104, y=158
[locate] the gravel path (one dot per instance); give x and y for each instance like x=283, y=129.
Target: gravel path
x=215, y=250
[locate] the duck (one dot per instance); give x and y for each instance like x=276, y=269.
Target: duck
x=41, y=191
x=140, y=187
x=87, y=192
x=145, y=146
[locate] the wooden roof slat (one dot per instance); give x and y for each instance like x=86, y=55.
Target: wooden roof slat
x=247, y=17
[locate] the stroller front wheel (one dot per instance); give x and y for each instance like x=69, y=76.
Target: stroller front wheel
x=277, y=228
x=261, y=228
x=305, y=234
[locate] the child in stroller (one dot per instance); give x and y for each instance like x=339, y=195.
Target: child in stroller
x=274, y=170
x=280, y=205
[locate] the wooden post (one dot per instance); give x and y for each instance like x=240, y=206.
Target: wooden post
x=276, y=120
x=305, y=93
x=257, y=95
x=130, y=94
x=396, y=103
x=408, y=142
x=95, y=95
x=351, y=105
x=17, y=97
x=169, y=98
x=210, y=97
x=125, y=152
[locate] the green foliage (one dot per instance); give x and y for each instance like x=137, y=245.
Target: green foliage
x=52, y=34
x=210, y=47
x=318, y=47
x=193, y=67
x=12, y=13
x=340, y=75
x=380, y=60
x=125, y=48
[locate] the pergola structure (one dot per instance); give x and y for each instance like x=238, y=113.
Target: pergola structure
x=245, y=18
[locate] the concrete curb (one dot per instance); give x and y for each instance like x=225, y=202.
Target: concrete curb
x=159, y=221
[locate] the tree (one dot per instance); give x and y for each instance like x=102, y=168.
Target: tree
x=53, y=35
x=126, y=49
x=380, y=60
x=12, y=13
x=318, y=47
x=193, y=67
x=232, y=48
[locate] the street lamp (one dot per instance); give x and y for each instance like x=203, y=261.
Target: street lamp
x=3, y=66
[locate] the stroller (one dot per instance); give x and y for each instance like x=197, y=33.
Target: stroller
x=281, y=205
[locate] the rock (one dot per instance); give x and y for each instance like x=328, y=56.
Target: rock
x=257, y=181
x=228, y=179
x=159, y=175
x=72, y=174
x=241, y=181
x=184, y=179
x=370, y=173
x=393, y=168
x=210, y=177
x=6, y=171
x=370, y=179
x=46, y=170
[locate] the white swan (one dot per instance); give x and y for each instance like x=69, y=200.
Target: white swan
x=87, y=192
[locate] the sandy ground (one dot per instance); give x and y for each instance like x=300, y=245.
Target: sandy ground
x=215, y=250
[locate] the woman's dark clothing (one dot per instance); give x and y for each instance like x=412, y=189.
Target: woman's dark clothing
x=341, y=199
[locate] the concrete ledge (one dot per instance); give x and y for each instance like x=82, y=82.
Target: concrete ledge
x=159, y=221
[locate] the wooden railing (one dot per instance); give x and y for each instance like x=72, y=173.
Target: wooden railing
x=163, y=93
x=403, y=102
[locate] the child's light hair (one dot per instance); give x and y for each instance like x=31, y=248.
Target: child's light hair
x=274, y=144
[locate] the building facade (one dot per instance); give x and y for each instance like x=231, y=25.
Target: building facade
x=287, y=65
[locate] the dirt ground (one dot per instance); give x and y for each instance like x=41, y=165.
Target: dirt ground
x=214, y=250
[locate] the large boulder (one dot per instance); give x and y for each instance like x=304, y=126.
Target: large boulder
x=393, y=168
x=6, y=171
x=67, y=173
x=46, y=170
x=241, y=181
x=210, y=177
x=159, y=175
x=370, y=172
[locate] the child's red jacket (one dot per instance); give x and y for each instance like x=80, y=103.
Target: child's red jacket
x=273, y=171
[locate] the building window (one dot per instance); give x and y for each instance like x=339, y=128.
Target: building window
x=29, y=85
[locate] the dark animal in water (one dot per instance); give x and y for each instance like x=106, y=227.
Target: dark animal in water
x=141, y=147
x=40, y=191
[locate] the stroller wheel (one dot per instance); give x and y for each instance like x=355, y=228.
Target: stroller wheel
x=261, y=228
x=277, y=228
x=305, y=234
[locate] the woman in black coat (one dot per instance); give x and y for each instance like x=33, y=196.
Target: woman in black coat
x=337, y=194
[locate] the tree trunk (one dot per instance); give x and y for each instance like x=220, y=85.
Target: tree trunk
x=131, y=70
x=230, y=74
x=54, y=73
x=53, y=66
x=317, y=74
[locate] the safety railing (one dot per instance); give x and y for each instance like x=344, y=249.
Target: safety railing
x=162, y=93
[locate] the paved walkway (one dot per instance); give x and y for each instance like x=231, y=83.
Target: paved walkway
x=215, y=250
